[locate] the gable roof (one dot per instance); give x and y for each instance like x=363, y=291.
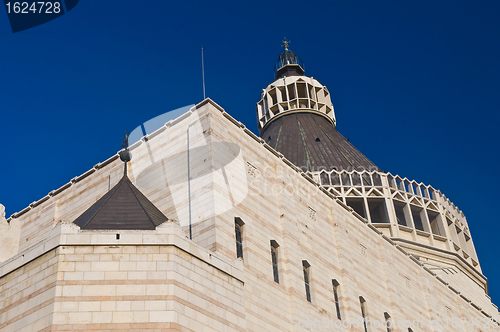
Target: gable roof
x=123, y=207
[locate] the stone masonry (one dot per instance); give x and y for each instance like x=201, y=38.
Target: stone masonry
x=206, y=171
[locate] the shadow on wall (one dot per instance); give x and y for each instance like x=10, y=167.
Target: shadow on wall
x=180, y=179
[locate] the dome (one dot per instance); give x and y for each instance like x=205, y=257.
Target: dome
x=312, y=143
x=296, y=117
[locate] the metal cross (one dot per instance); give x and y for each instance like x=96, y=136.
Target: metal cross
x=125, y=139
x=285, y=44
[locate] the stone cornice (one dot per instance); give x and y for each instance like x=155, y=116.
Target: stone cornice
x=168, y=234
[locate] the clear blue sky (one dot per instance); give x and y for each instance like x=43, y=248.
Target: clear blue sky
x=415, y=85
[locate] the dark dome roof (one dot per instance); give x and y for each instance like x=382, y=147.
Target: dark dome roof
x=311, y=142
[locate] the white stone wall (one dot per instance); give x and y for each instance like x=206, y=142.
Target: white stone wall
x=161, y=280
x=144, y=288
x=27, y=295
x=9, y=236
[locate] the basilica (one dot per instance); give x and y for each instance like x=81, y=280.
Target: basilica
x=202, y=225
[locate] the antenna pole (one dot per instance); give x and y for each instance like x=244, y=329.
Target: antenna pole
x=203, y=72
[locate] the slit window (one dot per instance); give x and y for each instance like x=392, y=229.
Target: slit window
x=388, y=322
x=362, y=302
x=336, y=297
x=274, y=258
x=238, y=230
x=306, y=269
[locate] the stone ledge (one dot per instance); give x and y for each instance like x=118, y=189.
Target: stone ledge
x=169, y=234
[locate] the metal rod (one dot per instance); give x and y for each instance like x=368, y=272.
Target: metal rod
x=189, y=186
x=203, y=72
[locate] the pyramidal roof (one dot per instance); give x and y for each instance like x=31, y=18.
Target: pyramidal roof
x=123, y=207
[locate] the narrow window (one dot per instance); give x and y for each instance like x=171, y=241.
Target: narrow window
x=363, y=311
x=388, y=323
x=274, y=257
x=336, y=297
x=305, y=267
x=238, y=229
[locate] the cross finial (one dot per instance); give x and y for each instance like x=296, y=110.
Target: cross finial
x=125, y=139
x=285, y=44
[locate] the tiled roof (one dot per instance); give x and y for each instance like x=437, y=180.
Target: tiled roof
x=311, y=142
x=123, y=207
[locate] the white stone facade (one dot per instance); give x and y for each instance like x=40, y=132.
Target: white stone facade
x=206, y=171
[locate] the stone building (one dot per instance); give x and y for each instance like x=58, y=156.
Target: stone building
x=212, y=228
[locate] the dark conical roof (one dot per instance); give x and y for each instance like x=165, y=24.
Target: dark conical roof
x=123, y=207
x=311, y=142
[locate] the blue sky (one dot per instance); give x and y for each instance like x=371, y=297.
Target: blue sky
x=415, y=85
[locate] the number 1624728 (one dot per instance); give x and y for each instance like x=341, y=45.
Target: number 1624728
x=36, y=7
